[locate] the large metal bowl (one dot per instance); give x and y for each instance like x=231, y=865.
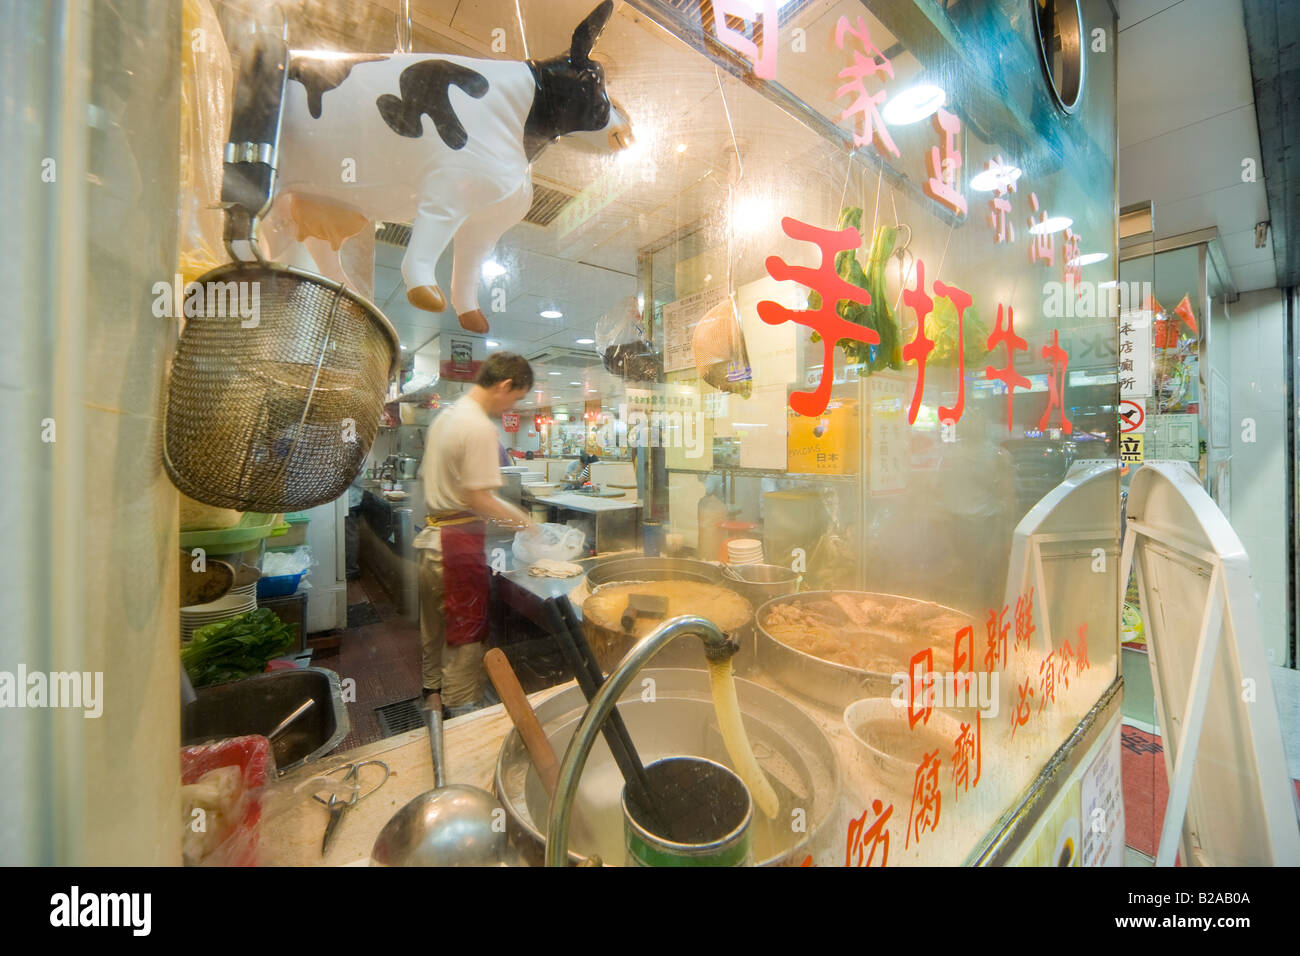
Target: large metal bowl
x=826, y=682
x=652, y=569
x=678, y=721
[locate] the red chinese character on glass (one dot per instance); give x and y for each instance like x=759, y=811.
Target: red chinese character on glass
x=942, y=184
x=963, y=661
x=1073, y=272
x=1066, y=654
x=961, y=300
x=967, y=749
x=871, y=127
x=920, y=347
x=926, y=799
x=1047, y=682
x=1007, y=375
x=1042, y=244
x=920, y=674
x=1081, y=662
x=1020, y=716
x=765, y=22
x=863, y=840
x=1060, y=360
x=1024, y=619
x=824, y=321
x=995, y=653
x=1004, y=230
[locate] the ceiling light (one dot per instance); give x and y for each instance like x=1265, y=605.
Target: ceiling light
x=1050, y=225
x=575, y=383
x=586, y=341
x=492, y=269
x=913, y=104
x=995, y=177
x=493, y=345
x=551, y=314
x=552, y=373
x=1088, y=258
x=681, y=147
x=403, y=348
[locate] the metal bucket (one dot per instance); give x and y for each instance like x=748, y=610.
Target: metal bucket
x=706, y=806
x=679, y=720
x=760, y=583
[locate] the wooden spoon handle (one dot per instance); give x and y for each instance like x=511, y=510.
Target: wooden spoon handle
x=530, y=729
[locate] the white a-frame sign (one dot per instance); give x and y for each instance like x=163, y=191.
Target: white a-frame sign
x=1230, y=794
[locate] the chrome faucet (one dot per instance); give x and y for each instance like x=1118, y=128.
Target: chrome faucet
x=717, y=646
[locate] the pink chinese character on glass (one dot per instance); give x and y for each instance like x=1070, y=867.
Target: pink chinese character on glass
x=825, y=321
x=1007, y=375
x=942, y=184
x=1070, y=256
x=1004, y=229
x=1060, y=360
x=871, y=127
x=765, y=21
x=1042, y=245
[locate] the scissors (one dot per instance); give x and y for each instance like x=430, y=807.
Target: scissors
x=336, y=806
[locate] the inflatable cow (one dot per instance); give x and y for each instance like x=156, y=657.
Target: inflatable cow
x=445, y=141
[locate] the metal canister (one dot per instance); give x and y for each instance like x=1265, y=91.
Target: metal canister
x=705, y=808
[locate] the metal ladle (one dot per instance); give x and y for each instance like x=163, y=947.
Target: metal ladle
x=450, y=825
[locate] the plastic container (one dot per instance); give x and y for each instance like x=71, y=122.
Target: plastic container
x=253, y=528
x=280, y=585
x=294, y=535
x=252, y=755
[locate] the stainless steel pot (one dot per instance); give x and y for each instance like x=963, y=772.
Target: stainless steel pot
x=407, y=467
x=678, y=721
x=827, y=682
x=760, y=583
x=652, y=569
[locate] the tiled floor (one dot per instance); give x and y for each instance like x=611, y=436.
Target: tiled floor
x=383, y=659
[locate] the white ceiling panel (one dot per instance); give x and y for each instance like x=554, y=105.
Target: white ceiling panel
x=1239, y=248
x=1257, y=275
x=1173, y=46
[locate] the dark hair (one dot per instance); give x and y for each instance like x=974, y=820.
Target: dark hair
x=503, y=366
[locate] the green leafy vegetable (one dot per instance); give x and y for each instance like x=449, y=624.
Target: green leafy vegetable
x=877, y=316
x=239, y=647
x=941, y=326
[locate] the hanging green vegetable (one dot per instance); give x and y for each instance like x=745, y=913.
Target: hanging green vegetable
x=941, y=327
x=877, y=316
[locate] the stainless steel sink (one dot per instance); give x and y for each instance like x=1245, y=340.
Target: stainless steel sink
x=255, y=705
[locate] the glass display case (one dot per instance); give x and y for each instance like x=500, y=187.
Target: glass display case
x=841, y=321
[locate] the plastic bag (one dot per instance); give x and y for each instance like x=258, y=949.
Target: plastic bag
x=222, y=789
x=206, y=83
x=621, y=342
x=553, y=541
x=718, y=345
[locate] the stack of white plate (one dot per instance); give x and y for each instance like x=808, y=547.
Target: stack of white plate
x=744, y=551
x=222, y=609
x=247, y=590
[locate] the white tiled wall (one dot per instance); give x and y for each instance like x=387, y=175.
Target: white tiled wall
x=1258, y=476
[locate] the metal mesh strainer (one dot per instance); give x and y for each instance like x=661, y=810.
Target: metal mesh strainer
x=278, y=416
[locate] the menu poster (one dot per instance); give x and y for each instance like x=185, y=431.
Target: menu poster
x=1173, y=437
x=680, y=319
x=1102, y=803
x=887, y=434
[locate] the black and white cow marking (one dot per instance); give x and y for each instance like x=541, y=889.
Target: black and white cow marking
x=355, y=148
